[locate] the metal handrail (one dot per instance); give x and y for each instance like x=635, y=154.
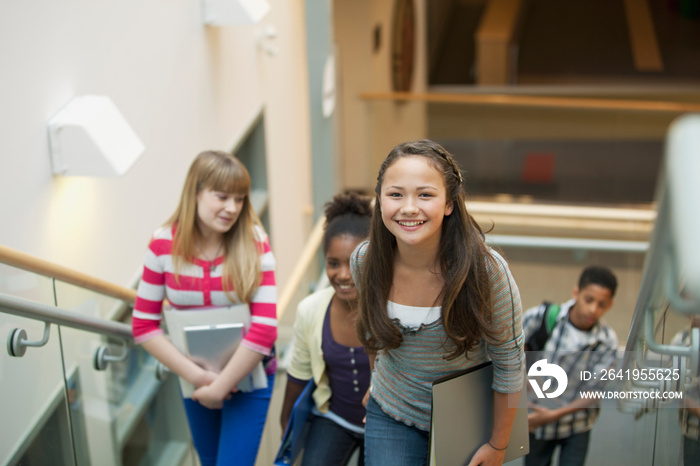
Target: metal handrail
x=567, y=243
x=55, y=315
x=650, y=278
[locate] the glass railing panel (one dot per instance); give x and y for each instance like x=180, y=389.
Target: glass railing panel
x=674, y=418
x=549, y=274
x=615, y=429
x=26, y=285
x=130, y=416
x=664, y=333
x=125, y=415
x=668, y=438
x=36, y=402
x=655, y=419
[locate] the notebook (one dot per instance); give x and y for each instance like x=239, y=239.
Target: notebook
x=462, y=418
x=209, y=337
x=211, y=346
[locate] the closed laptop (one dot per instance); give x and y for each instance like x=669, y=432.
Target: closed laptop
x=462, y=418
x=211, y=346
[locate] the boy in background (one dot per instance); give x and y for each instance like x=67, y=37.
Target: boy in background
x=572, y=336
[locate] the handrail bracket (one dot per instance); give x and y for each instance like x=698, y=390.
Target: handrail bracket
x=102, y=358
x=17, y=342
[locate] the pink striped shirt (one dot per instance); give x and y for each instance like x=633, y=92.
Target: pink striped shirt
x=199, y=286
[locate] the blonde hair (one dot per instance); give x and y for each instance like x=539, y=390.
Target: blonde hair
x=242, y=270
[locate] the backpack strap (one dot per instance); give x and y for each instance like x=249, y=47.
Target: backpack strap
x=551, y=314
x=549, y=319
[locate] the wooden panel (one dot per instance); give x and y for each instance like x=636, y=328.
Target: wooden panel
x=514, y=100
x=495, y=36
x=645, y=46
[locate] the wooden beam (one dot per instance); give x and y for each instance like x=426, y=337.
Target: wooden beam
x=506, y=100
x=495, y=39
x=307, y=256
x=643, y=40
x=33, y=264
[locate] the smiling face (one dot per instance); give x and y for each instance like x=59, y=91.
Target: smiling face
x=217, y=211
x=413, y=201
x=338, y=266
x=592, y=301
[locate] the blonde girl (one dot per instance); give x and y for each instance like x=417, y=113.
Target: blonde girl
x=213, y=253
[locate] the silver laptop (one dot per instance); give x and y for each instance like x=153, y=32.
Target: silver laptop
x=211, y=346
x=462, y=418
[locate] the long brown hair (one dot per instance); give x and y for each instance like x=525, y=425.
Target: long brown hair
x=466, y=294
x=220, y=171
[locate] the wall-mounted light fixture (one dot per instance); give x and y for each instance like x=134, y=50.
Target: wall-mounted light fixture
x=90, y=137
x=232, y=12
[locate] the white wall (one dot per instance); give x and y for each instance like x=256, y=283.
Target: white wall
x=182, y=86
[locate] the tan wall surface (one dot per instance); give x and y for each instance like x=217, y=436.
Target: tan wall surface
x=550, y=275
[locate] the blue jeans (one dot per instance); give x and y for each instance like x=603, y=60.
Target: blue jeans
x=230, y=435
x=329, y=444
x=392, y=443
x=573, y=450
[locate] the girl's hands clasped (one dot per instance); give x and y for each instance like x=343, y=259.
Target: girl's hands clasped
x=203, y=378
x=210, y=396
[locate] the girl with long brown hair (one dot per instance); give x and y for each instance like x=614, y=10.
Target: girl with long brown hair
x=434, y=300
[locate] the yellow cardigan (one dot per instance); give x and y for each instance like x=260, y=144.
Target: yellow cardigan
x=307, y=359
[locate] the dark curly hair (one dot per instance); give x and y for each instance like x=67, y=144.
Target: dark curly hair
x=347, y=214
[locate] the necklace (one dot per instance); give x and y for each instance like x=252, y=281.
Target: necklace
x=212, y=266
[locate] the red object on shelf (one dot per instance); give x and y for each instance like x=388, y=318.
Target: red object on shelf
x=538, y=168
